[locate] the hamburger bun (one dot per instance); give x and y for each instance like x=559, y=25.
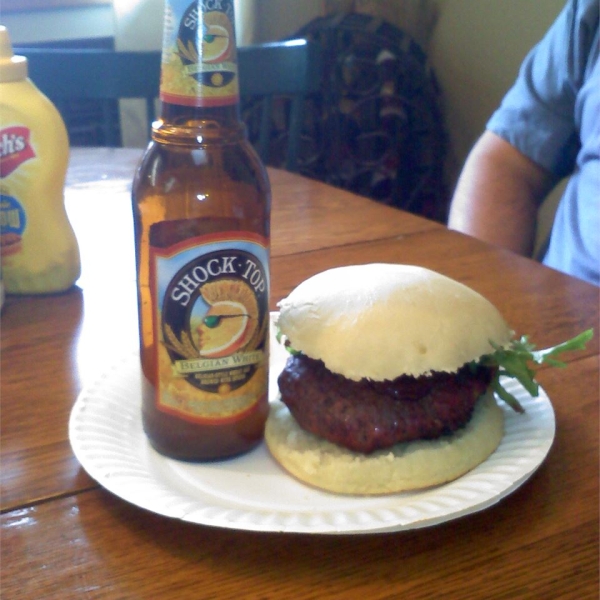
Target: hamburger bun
x=380, y=322
x=384, y=320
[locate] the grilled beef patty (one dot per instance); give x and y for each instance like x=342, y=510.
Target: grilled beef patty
x=366, y=415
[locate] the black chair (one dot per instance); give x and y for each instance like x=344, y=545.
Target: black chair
x=85, y=85
x=277, y=78
x=74, y=78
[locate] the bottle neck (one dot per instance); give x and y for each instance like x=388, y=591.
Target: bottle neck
x=199, y=87
x=178, y=115
x=203, y=125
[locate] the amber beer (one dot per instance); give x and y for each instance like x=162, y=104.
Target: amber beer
x=201, y=205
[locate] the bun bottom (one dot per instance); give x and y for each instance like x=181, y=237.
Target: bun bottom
x=405, y=466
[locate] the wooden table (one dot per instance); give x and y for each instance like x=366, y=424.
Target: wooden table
x=65, y=537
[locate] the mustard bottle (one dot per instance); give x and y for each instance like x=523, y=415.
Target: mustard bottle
x=37, y=244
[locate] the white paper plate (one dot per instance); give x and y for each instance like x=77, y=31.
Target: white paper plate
x=253, y=493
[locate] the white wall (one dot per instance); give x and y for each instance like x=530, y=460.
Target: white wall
x=59, y=24
x=138, y=24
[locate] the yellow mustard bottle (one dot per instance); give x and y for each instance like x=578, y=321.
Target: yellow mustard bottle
x=37, y=243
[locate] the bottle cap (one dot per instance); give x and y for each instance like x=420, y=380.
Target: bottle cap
x=12, y=68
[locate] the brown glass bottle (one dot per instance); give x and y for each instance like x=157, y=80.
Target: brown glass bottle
x=201, y=205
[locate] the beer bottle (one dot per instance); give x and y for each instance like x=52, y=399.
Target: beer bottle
x=201, y=205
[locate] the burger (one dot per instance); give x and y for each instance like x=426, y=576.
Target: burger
x=390, y=382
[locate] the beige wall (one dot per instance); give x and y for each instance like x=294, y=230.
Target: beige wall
x=476, y=48
x=277, y=19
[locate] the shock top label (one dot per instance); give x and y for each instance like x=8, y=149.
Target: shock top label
x=212, y=319
x=199, y=59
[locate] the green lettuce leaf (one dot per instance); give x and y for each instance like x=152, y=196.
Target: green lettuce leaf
x=516, y=361
x=281, y=339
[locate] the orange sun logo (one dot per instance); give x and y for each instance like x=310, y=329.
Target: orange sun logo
x=231, y=321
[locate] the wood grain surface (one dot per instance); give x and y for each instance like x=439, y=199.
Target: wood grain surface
x=64, y=537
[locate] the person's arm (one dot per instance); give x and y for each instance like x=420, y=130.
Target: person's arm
x=498, y=195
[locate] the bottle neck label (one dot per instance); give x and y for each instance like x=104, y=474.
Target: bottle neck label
x=199, y=57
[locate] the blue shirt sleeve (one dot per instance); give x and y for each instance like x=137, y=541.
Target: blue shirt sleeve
x=537, y=116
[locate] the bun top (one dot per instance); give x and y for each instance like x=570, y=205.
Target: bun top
x=381, y=321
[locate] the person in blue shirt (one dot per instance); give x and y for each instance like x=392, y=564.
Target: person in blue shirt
x=546, y=128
